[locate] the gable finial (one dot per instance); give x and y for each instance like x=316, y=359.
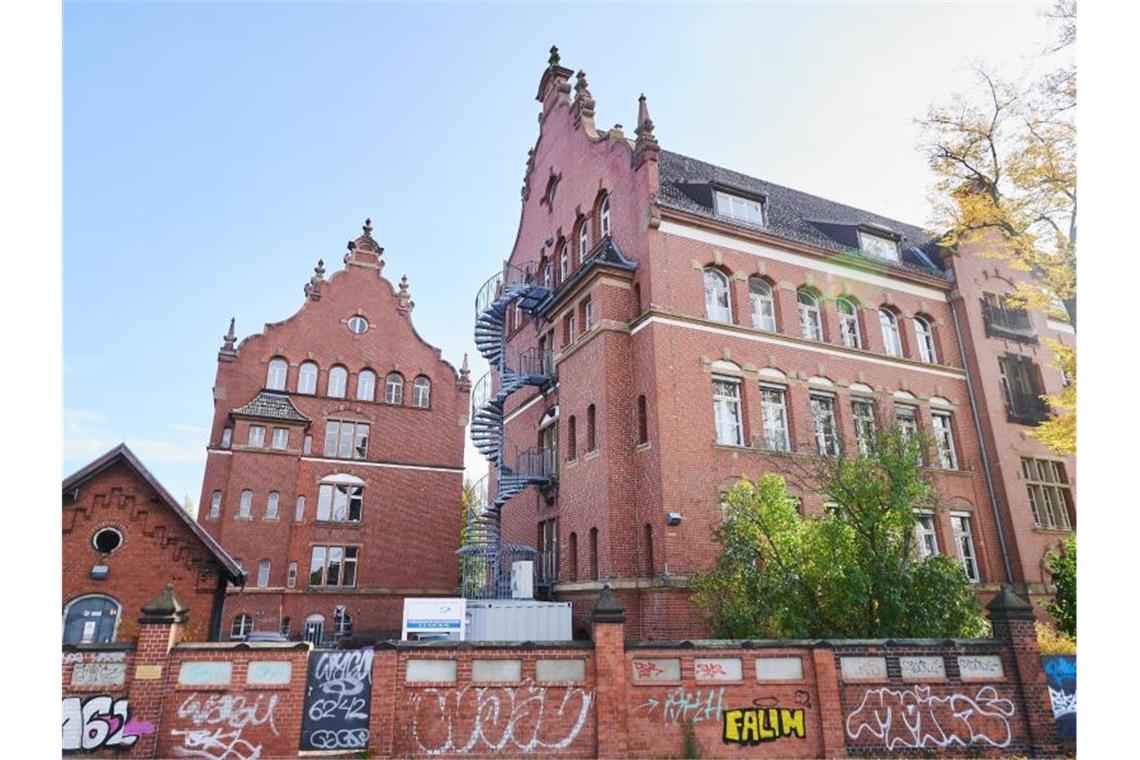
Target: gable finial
x=313, y=286
x=227, y=352
x=465, y=374
x=555, y=59
x=583, y=105
x=403, y=298
x=646, y=144
x=368, y=225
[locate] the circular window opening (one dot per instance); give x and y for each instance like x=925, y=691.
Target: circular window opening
x=357, y=325
x=107, y=540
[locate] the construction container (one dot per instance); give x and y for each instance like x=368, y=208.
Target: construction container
x=517, y=620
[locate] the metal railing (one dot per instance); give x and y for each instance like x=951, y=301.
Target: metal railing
x=1005, y=322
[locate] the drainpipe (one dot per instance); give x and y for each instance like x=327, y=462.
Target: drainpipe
x=981, y=442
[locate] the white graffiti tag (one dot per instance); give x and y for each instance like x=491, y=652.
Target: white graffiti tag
x=913, y=718
x=680, y=706
x=496, y=719
x=1063, y=702
x=217, y=722
x=91, y=723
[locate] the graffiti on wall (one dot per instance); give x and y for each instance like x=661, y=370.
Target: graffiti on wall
x=92, y=723
x=338, y=700
x=1061, y=675
x=754, y=725
x=680, y=706
x=524, y=719
x=213, y=725
x=69, y=657
x=914, y=718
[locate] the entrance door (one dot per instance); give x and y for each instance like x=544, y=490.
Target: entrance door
x=91, y=620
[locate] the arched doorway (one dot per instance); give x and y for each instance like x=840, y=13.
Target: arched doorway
x=91, y=619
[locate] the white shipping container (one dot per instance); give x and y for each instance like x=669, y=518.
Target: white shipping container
x=517, y=620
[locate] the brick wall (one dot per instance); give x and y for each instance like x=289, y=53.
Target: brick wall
x=606, y=698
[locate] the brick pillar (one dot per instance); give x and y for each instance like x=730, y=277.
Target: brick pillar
x=1013, y=620
x=386, y=692
x=831, y=716
x=611, y=675
x=160, y=628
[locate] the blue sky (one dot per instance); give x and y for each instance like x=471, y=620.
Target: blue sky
x=213, y=152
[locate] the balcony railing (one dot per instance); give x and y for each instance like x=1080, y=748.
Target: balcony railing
x=1011, y=324
x=1026, y=409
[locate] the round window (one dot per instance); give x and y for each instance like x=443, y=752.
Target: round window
x=107, y=540
x=357, y=325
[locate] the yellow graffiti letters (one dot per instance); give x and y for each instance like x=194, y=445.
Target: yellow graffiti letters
x=754, y=725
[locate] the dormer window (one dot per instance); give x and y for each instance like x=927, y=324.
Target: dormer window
x=747, y=210
x=882, y=246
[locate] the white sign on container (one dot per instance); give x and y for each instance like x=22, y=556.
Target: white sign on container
x=441, y=619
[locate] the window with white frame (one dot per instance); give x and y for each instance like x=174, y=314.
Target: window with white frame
x=811, y=326
x=227, y=436
x=849, y=323
x=718, y=305
x=307, y=378
x=366, y=385
x=924, y=331
x=421, y=392
x=906, y=417
x=546, y=273
x=307, y=445
x=863, y=415
x=275, y=377
x=342, y=621
x=299, y=510
x=271, y=505
x=291, y=576
x=569, y=333
x=726, y=411
x=338, y=382
x=604, y=217
x=823, y=420
x=263, y=573
x=1050, y=493
x=245, y=505
x=587, y=314
x=774, y=409
x=394, y=388
x=944, y=440
x=357, y=325
x=215, y=505
x=878, y=245
x=745, y=209
x=346, y=440
x=280, y=438
x=925, y=535
x=340, y=502
x=333, y=566
x=964, y=542
x=256, y=436
x=241, y=627
x=314, y=628
x=583, y=238
x=890, y=326
x=563, y=262
x=763, y=304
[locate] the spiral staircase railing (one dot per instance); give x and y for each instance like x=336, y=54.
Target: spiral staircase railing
x=486, y=559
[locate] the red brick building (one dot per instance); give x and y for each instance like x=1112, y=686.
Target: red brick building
x=125, y=538
x=335, y=461
x=696, y=324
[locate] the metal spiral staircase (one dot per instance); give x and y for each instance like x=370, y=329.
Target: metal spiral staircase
x=486, y=561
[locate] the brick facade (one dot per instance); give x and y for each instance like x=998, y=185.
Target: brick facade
x=644, y=367
x=409, y=463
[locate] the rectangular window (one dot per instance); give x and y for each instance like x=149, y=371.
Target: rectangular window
x=726, y=411
x=299, y=513
x=964, y=541
x=944, y=439
x=744, y=209
x=256, y=435
x=876, y=245
x=775, y=411
x=333, y=566
x=906, y=417
x=340, y=503
x=263, y=573
x=568, y=332
x=925, y=537
x=1021, y=388
x=1003, y=320
x=280, y=438
x=227, y=433
x=1050, y=494
x=587, y=315
x=863, y=414
x=215, y=505
x=307, y=448
x=346, y=440
x=291, y=579
x=823, y=419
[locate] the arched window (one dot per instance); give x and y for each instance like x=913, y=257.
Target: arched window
x=642, y=421
x=811, y=325
x=263, y=573
x=215, y=506
x=394, y=388
x=245, y=506
x=241, y=627
x=572, y=560
x=275, y=378
x=594, y=553
x=271, y=505
x=763, y=305
x=591, y=439
x=546, y=272
x=91, y=619
x=307, y=378
x=314, y=628
x=421, y=392
x=890, y=325
x=718, y=306
x=338, y=382
x=583, y=238
x=366, y=385
x=849, y=323
x=925, y=332
x=572, y=439
x=604, y=217
x=563, y=261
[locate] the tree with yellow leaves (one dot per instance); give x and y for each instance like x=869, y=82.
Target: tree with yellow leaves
x=1005, y=159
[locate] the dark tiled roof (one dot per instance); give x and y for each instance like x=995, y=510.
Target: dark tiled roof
x=234, y=573
x=687, y=185
x=273, y=406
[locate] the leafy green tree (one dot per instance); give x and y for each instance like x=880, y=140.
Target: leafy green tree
x=1063, y=571
x=852, y=572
